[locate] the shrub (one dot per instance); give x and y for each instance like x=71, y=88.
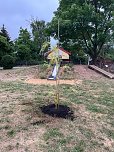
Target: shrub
x=42, y=76
x=34, y=62
x=66, y=68
x=7, y=62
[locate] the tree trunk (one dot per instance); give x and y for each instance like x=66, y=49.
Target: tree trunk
x=94, y=59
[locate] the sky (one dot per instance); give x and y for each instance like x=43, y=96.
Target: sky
x=18, y=13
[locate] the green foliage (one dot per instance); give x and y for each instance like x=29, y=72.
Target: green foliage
x=23, y=46
x=7, y=62
x=28, y=45
x=6, y=45
x=78, y=56
x=23, y=52
x=24, y=37
x=4, y=33
x=45, y=65
x=39, y=34
x=44, y=48
x=84, y=24
x=67, y=68
x=66, y=72
x=110, y=54
x=44, y=70
x=11, y=133
x=34, y=62
x=3, y=46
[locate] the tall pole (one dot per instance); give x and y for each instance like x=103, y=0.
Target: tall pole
x=57, y=78
x=58, y=32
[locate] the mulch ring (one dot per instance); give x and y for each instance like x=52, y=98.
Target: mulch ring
x=62, y=111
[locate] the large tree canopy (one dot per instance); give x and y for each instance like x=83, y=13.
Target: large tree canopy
x=39, y=34
x=85, y=24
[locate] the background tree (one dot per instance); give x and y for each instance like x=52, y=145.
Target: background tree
x=39, y=35
x=3, y=46
x=88, y=24
x=23, y=53
x=23, y=45
x=6, y=45
x=24, y=37
x=4, y=33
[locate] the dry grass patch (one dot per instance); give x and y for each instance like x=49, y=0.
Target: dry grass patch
x=24, y=128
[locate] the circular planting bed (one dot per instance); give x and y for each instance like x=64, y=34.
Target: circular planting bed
x=62, y=111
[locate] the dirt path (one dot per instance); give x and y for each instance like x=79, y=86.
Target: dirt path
x=52, y=82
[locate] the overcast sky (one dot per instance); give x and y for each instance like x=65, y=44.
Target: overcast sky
x=15, y=13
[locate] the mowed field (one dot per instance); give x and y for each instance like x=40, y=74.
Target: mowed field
x=24, y=128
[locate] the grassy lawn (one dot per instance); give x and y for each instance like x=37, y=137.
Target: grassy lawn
x=24, y=128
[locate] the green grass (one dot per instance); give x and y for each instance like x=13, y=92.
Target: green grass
x=80, y=147
x=11, y=133
x=98, y=109
x=108, y=132
x=86, y=132
x=52, y=133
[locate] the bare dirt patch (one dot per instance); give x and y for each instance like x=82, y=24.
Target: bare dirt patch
x=83, y=72
x=18, y=73
x=52, y=82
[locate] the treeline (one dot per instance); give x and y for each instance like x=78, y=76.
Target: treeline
x=25, y=50
x=86, y=28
